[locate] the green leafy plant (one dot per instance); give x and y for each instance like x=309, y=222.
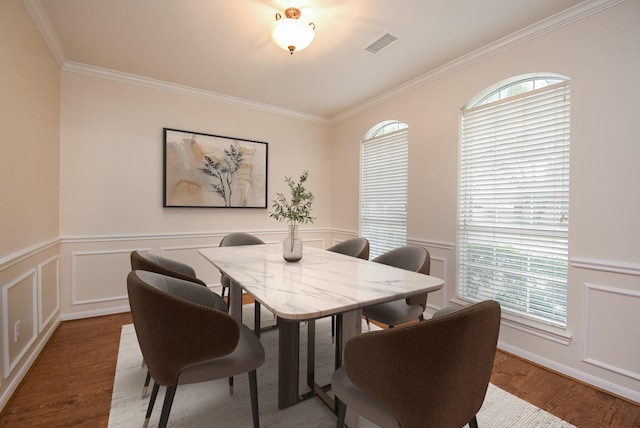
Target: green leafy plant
x=297, y=210
x=223, y=171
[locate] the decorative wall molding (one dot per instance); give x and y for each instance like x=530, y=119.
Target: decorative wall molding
x=10, y=364
x=94, y=313
x=27, y=252
x=134, y=79
x=580, y=11
x=74, y=280
x=11, y=388
x=605, y=265
x=449, y=246
x=445, y=276
x=586, y=355
x=181, y=235
x=44, y=25
x=572, y=372
x=43, y=318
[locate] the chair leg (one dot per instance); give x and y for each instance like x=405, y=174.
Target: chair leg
x=333, y=330
x=421, y=317
x=230, y=385
x=166, y=407
x=223, y=291
x=253, y=387
x=368, y=325
x=473, y=423
x=145, y=388
x=341, y=410
x=152, y=401
x=256, y=319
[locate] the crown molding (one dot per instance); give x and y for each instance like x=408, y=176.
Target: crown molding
x=573, y=14
x=104, y=73
x=561, y=19
x=44, y=25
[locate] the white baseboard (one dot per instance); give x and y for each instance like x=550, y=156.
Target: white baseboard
x=24, y=369
x=571, y=372
x=95, y=313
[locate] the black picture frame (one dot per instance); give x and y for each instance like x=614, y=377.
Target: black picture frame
x=213, y=171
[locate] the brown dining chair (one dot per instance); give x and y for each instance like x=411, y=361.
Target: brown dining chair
x=430, y=374
x=354, y=247
x=412, y=258
x=184, y=339
x=236, y=239
x=165, y=266
x=158, y=264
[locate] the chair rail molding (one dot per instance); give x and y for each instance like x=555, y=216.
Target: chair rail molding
x=443, y=245
x=25, y=253
x=605, y=265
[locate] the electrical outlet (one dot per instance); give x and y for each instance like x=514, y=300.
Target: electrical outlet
x=16, y=331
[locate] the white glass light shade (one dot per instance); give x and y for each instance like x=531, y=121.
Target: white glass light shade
x=291, y=34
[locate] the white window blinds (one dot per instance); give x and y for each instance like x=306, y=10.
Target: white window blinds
x=384, y=164
x=513, y=207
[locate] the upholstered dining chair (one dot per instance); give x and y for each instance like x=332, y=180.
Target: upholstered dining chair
x=235, y=239
x=430, y=374
x=184, y=339
x=409, y=257
x=354, y=247
x=165, y=266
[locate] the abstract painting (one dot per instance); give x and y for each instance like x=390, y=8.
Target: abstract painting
x=213, y=171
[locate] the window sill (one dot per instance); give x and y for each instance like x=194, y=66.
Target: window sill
x=545, y=331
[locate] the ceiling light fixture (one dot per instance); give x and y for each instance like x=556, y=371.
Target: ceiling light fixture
x=291, y=34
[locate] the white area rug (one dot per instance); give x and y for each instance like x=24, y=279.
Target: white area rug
x=209, y=404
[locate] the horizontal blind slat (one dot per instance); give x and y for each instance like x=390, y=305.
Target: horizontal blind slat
x=384, y=177
x=513, y=202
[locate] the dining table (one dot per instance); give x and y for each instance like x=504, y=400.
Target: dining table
x=321, y=284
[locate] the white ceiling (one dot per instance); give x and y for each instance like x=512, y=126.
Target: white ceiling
x=223, y=47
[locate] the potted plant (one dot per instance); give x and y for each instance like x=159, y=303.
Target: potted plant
x=295, y=211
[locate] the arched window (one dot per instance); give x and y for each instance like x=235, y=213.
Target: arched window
x=513, y=209
x=383, y=186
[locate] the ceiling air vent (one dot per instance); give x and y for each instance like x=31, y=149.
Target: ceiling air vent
x=381, y=43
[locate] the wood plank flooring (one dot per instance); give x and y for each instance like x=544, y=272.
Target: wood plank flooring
x=70, y=384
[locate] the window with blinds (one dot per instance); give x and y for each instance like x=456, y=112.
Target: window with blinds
x=383, y=188
x=513, y=200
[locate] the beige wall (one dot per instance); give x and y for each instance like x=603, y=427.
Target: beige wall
x=600, y=54
x=29, y=108
x=111, y=182
x=29, y=173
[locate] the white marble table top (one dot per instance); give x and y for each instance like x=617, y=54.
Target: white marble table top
x=323, y=283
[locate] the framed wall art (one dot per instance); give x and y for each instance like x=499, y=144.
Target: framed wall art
x=212, y=171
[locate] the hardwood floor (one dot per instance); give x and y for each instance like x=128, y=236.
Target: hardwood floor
x=70, y=384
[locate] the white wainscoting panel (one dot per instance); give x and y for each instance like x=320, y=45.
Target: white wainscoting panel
x=438, y=299
x=99, y=276
x=19, y=305
x=48, y=291
x=612, y=317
